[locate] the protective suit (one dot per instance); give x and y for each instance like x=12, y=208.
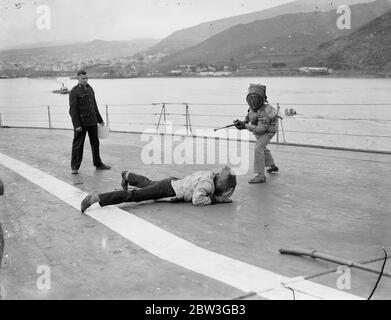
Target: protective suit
x=262, y=120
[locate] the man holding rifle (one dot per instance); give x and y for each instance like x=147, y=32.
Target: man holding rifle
x=262, y=120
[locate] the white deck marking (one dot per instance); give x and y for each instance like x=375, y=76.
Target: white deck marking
x=169, y=247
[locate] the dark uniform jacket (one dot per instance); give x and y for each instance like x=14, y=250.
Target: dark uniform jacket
x=82, y=107
x=264, y=120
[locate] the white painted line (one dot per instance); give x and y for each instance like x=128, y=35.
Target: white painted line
x=169, y=247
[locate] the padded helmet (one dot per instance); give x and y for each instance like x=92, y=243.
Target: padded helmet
x=259, y=90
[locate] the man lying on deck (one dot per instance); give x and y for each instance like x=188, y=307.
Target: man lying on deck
x=201, y=188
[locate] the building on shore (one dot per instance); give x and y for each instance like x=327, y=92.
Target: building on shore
x=315, y=70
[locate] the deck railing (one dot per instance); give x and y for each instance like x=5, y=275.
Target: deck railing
x=311, y=126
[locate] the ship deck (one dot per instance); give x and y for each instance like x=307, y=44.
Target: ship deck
x=336, y=202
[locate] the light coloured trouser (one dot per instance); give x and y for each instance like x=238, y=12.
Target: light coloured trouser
x=262, y=155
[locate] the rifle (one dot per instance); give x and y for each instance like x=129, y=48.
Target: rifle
x=231, y=125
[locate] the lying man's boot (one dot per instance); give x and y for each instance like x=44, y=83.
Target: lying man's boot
x=272, y=168
x=124, y=182
x=75, y=171
x=103, y=167
x=88, y=202
x=258, y=179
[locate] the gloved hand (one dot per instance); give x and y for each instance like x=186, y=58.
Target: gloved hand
x=240, y=125
x=227, y=194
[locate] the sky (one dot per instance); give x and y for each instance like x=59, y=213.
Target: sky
x=70, y=21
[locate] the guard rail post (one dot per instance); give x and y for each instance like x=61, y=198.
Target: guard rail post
x=278, y=127
x=107, y=115
x=188, y=123
x=49, y=118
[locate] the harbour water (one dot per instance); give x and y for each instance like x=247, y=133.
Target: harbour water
x=342, y=112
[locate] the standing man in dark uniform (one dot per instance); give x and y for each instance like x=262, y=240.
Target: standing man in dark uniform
x=85, y=118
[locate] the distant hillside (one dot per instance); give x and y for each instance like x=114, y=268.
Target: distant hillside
x=368, y=49
x=192, y=36
x=286, y=38
x=80, y=51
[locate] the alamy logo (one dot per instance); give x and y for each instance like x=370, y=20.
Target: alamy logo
x=44, y=280
x=44, y=20
x=344, y=280
x=344, y=20
x=232, y=148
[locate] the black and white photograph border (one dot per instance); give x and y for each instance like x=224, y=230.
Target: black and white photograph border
x=237, y=150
